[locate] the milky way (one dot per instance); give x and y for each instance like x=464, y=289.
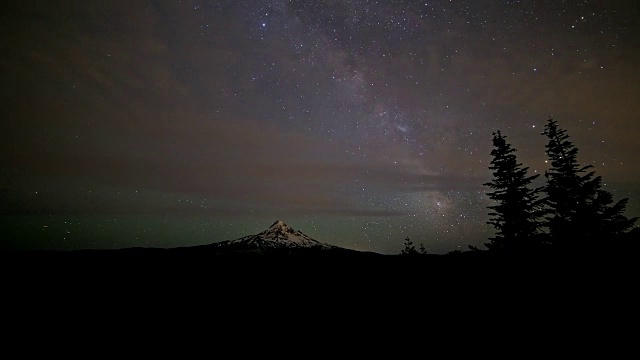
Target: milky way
x=177, y=123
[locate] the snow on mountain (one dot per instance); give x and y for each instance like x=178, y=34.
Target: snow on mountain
x=278, y=235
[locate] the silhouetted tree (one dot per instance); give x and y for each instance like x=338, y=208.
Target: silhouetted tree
x=518, y=212
x=473, y=248
x=423, y=251
x=409, y=248
x=580, y=211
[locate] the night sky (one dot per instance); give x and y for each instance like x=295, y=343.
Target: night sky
x=177, y=123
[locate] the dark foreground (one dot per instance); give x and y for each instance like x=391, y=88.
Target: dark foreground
x=321, y=262
x=304, y=285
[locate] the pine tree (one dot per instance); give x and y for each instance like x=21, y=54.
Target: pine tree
x=581, y=213
x=518, y=211
x=423, y=250
x=409, y=248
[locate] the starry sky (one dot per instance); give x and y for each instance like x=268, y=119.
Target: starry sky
x=359, y=122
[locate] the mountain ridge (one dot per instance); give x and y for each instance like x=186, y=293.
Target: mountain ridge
x=279, y=238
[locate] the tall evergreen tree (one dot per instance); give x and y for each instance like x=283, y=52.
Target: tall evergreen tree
x=518, y=211
x=581, y=213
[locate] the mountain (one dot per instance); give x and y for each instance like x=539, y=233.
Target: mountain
x=278, y=239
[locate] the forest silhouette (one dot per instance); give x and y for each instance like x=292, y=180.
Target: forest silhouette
x=570, y=214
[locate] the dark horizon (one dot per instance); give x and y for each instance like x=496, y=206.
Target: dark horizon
x=360, y=123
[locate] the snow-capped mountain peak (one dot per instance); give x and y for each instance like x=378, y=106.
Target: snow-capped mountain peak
x=278, y=239
x=278, y=235
x=283, y=234
x=279, y=225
